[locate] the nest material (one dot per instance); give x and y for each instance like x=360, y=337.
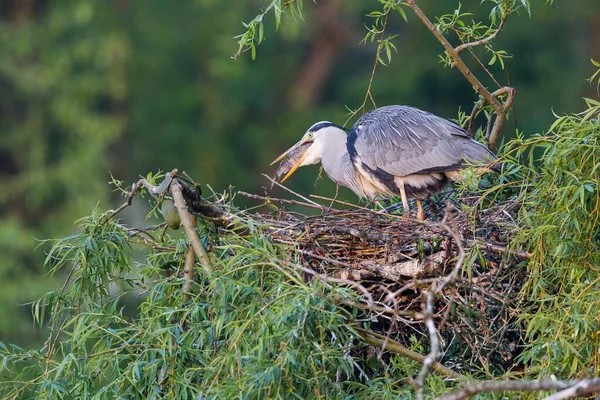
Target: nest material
x=384, y=252
x=390, y=246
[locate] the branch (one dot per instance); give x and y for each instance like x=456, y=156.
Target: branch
x=188, y=274
x=188, y=225
x=453, y=231
x=581, y=388
x=501, y=109
x=274, y=182
x=153, y=190
x=378, y=340
x=434, y=353
x=460, y=64
x=485, y=40
x=492, y=138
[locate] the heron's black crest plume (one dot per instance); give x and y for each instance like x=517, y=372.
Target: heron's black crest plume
x=324, y=124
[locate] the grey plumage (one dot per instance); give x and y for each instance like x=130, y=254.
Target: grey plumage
x=402, y=140
x=391, y=150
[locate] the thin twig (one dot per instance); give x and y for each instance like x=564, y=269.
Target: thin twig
x=434, y=353
x=499, y=249
x=273, y=181
x=453, y=231
x=281, y=201
x=486, y=39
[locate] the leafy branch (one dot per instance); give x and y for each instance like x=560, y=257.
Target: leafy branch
x=255, y=30
x=500, y=108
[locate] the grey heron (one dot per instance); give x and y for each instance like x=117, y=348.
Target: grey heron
x=392, y=150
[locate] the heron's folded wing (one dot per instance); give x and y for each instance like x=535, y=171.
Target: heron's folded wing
x=401, y=140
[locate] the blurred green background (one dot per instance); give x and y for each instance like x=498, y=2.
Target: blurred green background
x=89, y=88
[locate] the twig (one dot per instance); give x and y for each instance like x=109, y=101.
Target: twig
x=591, y=385
x=281, y=201
x=486, y=39
x=434, y=353
x=453, y=231
x=136, y=188
x=499, y=249
x=345, y=203
x=378, y=340
x=383, y=309
x=501, y=109
x=273, y=181
x=188, y=225
x=327, y=278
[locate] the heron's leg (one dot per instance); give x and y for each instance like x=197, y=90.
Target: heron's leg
x=420, y=211
x=404, y=199
x=337, y=188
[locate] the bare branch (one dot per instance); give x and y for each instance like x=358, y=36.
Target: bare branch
x=434, y=353
x=273, y=181
x=494, y=135
x=581, y=388
x=188, y=224
x=453, y=231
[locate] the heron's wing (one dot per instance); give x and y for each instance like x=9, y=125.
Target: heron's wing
x=401, y=140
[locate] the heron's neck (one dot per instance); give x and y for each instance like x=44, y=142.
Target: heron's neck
x=336, y=160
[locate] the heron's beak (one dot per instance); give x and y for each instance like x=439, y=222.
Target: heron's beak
x=298, y=162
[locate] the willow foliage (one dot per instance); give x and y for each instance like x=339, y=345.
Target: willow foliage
x=252, y=329
x=560, y=217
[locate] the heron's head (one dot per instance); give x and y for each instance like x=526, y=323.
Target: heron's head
x=309, y=149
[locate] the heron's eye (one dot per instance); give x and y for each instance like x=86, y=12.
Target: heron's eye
x=309, y=136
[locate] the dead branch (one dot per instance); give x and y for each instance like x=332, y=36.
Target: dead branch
x=434, y=353
x=581, y=388
x=525, y=255
x=452, y=229
x=279, y=201
x=274, y=182
x=414, y=268
x=188, y=224
x=136, y=187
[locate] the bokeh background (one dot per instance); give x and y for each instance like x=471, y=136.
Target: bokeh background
x=91, y=88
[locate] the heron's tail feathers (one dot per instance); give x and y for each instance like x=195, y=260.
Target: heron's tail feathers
x=475, y=153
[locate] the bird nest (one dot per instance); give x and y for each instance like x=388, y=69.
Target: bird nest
x=392, y=260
